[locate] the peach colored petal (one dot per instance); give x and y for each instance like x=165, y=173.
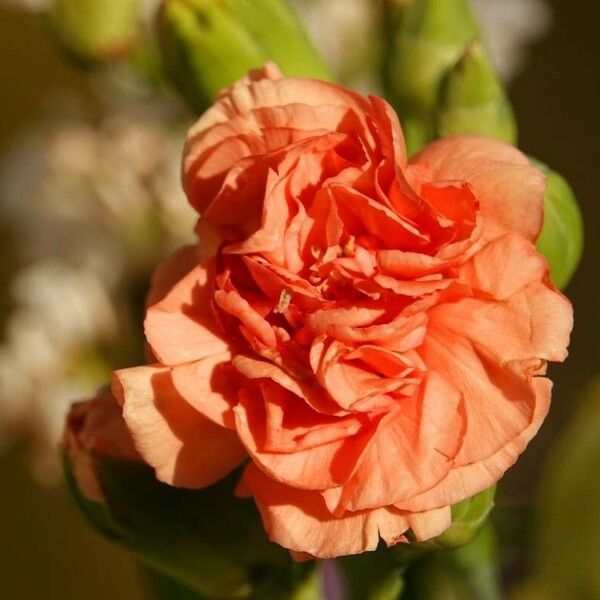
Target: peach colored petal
x=401, y=334
x=390, y=135
x=291, y=425
x=431, y=523
x=465, y=481
x=284, y=105
x=170, y=271
x=499, y=401
x=534, y=323
x=181, y=327
x=346, y=383
x=299, y=520
x=414, y=265
x=412, y=450
x=209, y=385
x=301, y=385
x=504, y=266
x=326, y=461
x=184, y=447
x=509, y=188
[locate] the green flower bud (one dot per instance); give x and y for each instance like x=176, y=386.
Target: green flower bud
x=95, y=31
x=209, y=44
x=473, y=101
x=431, y=36
x=561, y=240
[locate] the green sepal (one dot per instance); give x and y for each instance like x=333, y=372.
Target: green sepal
x=561, y=240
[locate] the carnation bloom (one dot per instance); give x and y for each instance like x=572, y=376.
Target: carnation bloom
x=367, y=335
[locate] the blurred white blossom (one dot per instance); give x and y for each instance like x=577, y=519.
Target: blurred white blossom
x=509, y=27
x=348, y=34
x=93, y=203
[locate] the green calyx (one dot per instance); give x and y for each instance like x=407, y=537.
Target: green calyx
x=561, y=240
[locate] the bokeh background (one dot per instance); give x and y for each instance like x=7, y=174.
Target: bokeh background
x=90, y=201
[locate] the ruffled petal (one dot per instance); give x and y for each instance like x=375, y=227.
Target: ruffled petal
x=465, y=481
x=322, y=457
x=412, y=450
x=184, y=447
x=210, y=385
x=299, y=520
x=509, y=188
x=181, y=327
x=170, y=271
x=499, y=400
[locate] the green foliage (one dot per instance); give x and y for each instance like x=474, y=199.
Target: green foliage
x=206, y=540
x=430, y=37
x=568, y=527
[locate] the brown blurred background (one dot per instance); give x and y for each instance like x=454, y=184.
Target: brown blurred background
x=47, y=551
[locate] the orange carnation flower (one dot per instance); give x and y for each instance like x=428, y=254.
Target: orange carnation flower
x=368, y=334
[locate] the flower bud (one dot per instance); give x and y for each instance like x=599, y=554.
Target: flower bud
x=93, y=31
x=209, y=44
x=202, y=539
x=431, y=36
x=472, y=99
x=561, y=240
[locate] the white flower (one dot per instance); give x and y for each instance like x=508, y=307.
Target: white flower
x=93, y=206
x=509, y=27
